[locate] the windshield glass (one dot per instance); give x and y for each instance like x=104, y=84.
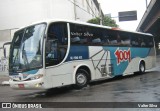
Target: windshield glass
x=26, y=49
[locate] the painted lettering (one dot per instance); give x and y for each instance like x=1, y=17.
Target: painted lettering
x=79, y=34
x=76, y=34
x=122, y=55
x=88, y=34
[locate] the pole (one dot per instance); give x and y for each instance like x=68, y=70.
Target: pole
x=75, y=13
x=100, y=14
x=146, y=4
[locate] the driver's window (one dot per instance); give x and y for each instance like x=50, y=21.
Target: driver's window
x=52, y=49
x=56, y=44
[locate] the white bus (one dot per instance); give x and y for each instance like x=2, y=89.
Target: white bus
x=56, y=53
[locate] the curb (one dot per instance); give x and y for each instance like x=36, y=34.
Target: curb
x=4, y=80
x=5, y=83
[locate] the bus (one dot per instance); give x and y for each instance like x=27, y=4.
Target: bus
x=56, y=53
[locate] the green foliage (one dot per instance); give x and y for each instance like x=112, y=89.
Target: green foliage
x=107, y=21
x=94, y=20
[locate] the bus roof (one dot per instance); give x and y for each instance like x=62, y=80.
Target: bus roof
x=48, y=21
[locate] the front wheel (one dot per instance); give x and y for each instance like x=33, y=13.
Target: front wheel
x=81, y=79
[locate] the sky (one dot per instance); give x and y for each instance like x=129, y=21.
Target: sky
x=114, y=6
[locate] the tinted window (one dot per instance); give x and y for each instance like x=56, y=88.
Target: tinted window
x=93, y=36
x=86, y=35
x=142, y=41
x=80, y=34
x=149, y=41
x=56, y=44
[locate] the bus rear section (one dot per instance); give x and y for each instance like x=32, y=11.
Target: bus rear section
x=113, y=52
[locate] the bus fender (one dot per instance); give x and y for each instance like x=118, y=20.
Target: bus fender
x=141, y=60
x=76, y=68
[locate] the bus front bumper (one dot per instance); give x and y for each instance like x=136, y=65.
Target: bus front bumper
x=26, y=85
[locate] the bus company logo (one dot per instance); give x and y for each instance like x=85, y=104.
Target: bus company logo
x=122, y=55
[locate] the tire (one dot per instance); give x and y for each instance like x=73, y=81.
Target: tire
x=142, y=68
x=81, y=79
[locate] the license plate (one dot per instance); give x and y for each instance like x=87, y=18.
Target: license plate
x=21, y=85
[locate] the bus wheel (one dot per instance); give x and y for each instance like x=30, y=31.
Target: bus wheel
x=81, y=79
x=142, y=67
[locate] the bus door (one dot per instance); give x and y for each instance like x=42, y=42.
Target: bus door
x=57, y=73
x=56, y=44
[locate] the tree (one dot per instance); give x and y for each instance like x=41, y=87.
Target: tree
x=107, y=21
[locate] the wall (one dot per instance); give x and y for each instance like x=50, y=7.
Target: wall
x=5, y=36
x=86, y=10
x=17, y=13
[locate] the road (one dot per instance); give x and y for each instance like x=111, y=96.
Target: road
x=135, y=88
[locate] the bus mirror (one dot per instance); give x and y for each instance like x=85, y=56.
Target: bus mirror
x=4, y=49
x=7, y=43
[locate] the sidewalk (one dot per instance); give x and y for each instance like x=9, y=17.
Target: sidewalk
x=158, y=59
x=4, y=80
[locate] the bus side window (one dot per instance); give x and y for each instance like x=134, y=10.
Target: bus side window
x=149, y=42
x=96, y=38
x=56, y=44
x=76, y=34
x=136, y=41
x=96, y=41
x=113, y=39
x=143, y=43
x=125, y=39
x=133, y=42
x=105, y=38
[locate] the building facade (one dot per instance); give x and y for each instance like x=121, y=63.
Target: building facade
x=17, y=13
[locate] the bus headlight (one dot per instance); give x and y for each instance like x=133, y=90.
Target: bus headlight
x=36, y=76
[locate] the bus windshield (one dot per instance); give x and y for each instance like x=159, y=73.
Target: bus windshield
x=26, y=49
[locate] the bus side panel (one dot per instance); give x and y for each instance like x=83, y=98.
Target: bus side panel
x=80, y=54
x=118, y=63
x=148, y=55
x=151, y=59
x=126, y=60
x=65, y=73
x=101, y=61
x=58, y=76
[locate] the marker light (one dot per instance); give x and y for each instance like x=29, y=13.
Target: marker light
x=37, y=76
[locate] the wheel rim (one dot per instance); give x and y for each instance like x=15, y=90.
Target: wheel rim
x=81, y=79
